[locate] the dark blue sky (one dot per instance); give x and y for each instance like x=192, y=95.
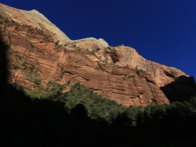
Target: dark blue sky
x=161, y=30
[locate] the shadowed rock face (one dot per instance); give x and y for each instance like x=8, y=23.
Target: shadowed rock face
x=119, y=73
x=183, y=88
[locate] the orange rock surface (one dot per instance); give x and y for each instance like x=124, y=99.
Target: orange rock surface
x=38, y=51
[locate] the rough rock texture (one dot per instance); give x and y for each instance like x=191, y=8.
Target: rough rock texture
x=34, y=19
x=119, y=73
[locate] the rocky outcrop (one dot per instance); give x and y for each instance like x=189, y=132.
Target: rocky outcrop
x=119, y=73
x=34, y=19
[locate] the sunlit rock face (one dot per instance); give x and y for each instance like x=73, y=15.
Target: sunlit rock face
x=39, y=53
x=34, y=19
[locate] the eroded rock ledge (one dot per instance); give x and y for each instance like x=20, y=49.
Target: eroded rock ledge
x=38, y=54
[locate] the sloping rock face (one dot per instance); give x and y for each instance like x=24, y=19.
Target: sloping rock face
x=34, y=19
x=36, y=59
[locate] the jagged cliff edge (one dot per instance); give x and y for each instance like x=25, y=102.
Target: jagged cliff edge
x=40, y=53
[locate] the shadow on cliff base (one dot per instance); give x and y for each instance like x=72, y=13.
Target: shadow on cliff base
x=182, y=89
x=41, y=123
x=38, y=123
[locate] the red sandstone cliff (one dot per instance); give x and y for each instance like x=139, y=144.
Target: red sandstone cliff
x=39, y=53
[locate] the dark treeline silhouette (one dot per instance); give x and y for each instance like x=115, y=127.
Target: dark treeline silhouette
x=43, y=123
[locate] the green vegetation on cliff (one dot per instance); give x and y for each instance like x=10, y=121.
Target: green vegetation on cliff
x=97, y=106
x=100, y=108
